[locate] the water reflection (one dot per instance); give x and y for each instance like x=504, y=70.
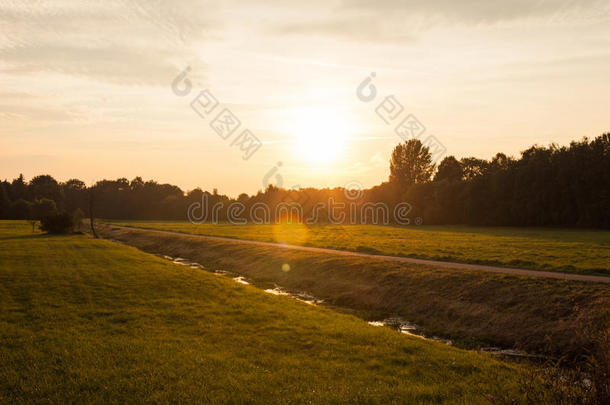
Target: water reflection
x=397, y=323
x=408, y=328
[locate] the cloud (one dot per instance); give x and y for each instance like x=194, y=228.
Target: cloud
x=125, y=42
x=38, y=113
x=109, y=63
x=358, y=28
x=404, y=20
x=476, y=11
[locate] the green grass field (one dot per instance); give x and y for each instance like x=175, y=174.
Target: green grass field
x=86, y=320
x=577, y=251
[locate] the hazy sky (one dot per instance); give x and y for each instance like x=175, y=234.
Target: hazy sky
x=85, y=86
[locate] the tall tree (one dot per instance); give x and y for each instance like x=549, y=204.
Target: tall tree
x=473, y=167
x=45, y=186
x=411, y=163
x=5, y=203
x=449, y=169
x=18, y=189
x=43, y=207
x=75, y=194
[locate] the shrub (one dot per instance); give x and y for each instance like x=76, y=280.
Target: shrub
x=58, y=223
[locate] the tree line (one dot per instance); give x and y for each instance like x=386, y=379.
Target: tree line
x=546, y=186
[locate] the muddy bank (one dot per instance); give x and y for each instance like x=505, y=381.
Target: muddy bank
x=473, y=309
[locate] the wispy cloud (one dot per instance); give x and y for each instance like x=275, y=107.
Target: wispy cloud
x=355, y=28
x=109, y=63
x=477, y=11
x=127, y=42
x=405, y=20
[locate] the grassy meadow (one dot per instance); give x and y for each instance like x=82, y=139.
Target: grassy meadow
x=472, y=308
x=86, y=320
x=576, y=251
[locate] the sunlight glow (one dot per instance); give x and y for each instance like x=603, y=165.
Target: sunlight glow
x=290, y=231
x=320, y=134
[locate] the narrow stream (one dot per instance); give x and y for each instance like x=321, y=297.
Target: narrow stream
x=276, y=290
x=397, y=323
x=408, y=328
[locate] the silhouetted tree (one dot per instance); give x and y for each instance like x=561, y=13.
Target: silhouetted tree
x=20, y=209
x=45, y=186
x=473, y=167
x=5, y=203
x=74, y=193
x=449, y=169
x=411, y=163
x=43, y=207
x=18, y=189
x=545, y=186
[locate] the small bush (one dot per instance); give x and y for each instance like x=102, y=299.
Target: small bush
x=58, y=223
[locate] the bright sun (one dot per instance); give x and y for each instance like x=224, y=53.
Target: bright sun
x=320, y=134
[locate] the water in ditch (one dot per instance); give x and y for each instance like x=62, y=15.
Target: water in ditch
x=398, y=323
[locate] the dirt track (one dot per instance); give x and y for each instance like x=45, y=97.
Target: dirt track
x=435, y=263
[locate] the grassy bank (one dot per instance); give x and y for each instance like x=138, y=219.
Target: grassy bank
x=84, y=320
x=577, y=251
x=474, y=308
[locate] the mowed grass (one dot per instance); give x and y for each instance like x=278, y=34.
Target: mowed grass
x=577, y=251
x=85, y=320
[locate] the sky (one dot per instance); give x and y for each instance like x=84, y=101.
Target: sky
x=91, y=89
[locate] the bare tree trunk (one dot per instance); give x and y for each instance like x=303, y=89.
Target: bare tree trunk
x=91, y=213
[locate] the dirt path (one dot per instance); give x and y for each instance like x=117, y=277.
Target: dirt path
x=436, y=263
